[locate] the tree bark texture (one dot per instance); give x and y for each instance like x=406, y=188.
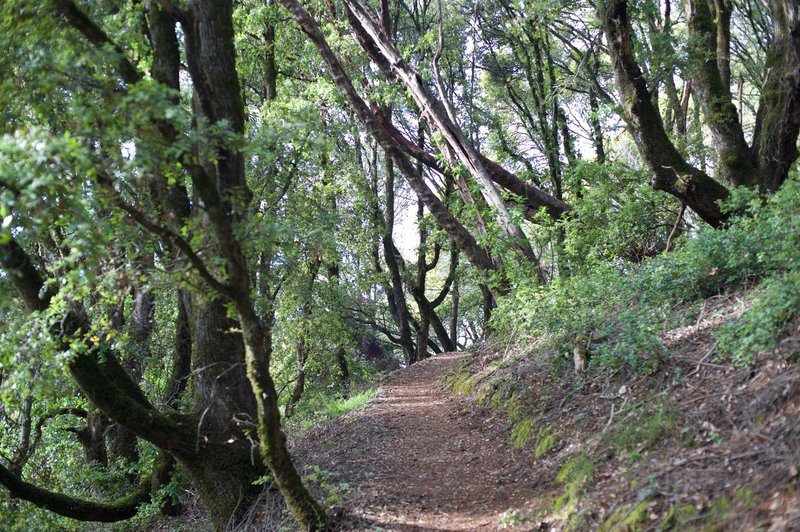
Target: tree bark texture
x=778, y=118
x=671, y=173
x=774, y=149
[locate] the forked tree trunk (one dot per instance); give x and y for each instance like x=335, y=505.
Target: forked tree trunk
x=671, y=172
x=774, y=149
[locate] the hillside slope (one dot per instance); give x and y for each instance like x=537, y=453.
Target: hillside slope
x=696, y=444
x=496, y=438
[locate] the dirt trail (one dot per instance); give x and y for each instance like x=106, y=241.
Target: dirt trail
x=418, y=458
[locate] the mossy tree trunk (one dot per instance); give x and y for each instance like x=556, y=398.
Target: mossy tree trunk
x=710, y=56
x=222, y=189
x=210, y=441
x=778, y=118
x=671, y=172
x=765, y=163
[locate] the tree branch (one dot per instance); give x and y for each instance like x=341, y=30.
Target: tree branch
x=24, y=276
x=107, y=512
x=95, y=35
x=168, y=235
x=534, y=197
x=106, y=384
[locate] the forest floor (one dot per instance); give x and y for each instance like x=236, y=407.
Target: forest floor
x=419, y=458
x=502, y=438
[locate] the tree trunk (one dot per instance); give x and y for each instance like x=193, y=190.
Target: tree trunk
x=121, y=442
x=397, y=304
x=597, y=130
x=671, y=173
x=93, y=437
x=778, y=118
x=344, y=371
x=212, y=66
x=423, y=331
x=182, y=354
x=302, y=348
x=456, y=298
x=270, y=70
x=488, y=306
x=272, y=441
x=222, y=383
x=223, y=465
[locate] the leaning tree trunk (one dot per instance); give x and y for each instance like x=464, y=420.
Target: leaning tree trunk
x=373, y=38
x=711, y=81
x=474, y=252
x=671, y=172
x=774, y=150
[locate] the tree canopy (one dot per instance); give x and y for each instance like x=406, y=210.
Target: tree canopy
x=213, y=211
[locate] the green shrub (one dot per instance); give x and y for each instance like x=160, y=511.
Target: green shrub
x=339, y=407
x=625, y=305
x=643, y=429
x=773, y=305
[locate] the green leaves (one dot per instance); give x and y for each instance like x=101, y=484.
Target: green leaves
x=625, y=306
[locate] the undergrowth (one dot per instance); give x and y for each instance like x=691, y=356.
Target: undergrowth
x=460, y=380
x=321, y=407
x=340, y=407
x=644, y=427
x=323, y=398
x=624, y=306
